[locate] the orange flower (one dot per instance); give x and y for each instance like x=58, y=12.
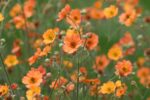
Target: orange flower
x=49, y=36
x=118, y=83
x=92, y=41
x=70, y=87
x=19, y=21
x=115, y=53
x=97, y=4
x=95, y=13
x=1, y=17
x=140, y=62
x=58, y=83
x=143, y=72
x=108, y=88
x=72, y=31
x=120, y=88
x=63, y=13
x=16, y=47
x=45, y=51
x=145, y=81
x=29, y=7
x=42, y=70
x=71, y=43
x=111, y=11
x=74, y=76
x=33, y=78
x=128, y=17
x=74, y=18
x=95, y=81
x=32, y=93
x=4, y=89
x=120, y=91
x=11, y=60
x=101, y=63
x=67, y=64
x=127, y=40
x=83, y=70
x=15, y=10
x=123, y=68
x=33, y=58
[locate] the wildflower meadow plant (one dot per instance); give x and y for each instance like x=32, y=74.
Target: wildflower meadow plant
x=74, y=50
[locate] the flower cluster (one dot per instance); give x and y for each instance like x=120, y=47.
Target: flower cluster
x=59, y=50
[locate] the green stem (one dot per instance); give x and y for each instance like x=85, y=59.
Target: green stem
x=77, y=78
x=7, y=76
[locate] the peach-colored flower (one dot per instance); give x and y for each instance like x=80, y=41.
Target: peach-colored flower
x=15, y=10
x=29, y=8
x=127, y=39
x=58, y=83
x=63, y=13
x=4, y=89
x=127, y=18
x=33, y=58
x=92, y=41
x=71, y=43
x=74, y=18
x=70, y=87
x=33, y=78
x=120, y=91
x=143, y=72
x=97, y=4
x=101, y=63
x=19, y=21
x=123, y=68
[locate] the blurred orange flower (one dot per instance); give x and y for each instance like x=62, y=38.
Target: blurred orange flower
x=11, y=60
x=67, y=64
x=92, y=41
x=33, y=78
x=115, y=53
x=126, y=40
x=63, y=13
x=33, y=58
x=101, y=63
x=108, y=88
x=143, y=72
x=58, y=83
x=123, y=68
x=32, y=93
x=110, y=11
x=120, y=91
x=29, y=8
x=16, y=10
x=19, y=21
x=70, y=87
x=74, y=18
x=1, y=17
x=71, y=43
x=4, y=89
x=128, y=17
x=98, y=4
x=49, y=36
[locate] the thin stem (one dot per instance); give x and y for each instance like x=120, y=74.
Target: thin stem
x=78, y=78
x=7, y=76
